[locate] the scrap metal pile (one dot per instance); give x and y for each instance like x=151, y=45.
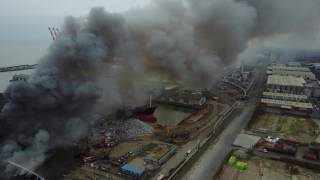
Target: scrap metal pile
x=125, y=129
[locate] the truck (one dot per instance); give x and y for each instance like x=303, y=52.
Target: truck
x=289, y=141
x=106, y=143
x=89, y=159
x=280, y=148
x=310, y=156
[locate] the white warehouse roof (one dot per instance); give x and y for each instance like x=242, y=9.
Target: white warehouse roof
x=289, y=68
x=287, y=103
x=246, y=141
x=285, y=81
x=304, y=74
x=285, y=95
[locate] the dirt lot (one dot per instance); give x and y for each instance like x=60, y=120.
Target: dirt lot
x=266, y=169
x=296, y=127
x=125, y=147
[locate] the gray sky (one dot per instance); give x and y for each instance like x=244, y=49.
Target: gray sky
x=24, y=35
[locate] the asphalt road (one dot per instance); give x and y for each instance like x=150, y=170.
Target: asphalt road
x=209, y=163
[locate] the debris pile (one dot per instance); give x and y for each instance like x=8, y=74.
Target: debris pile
x=126, y=129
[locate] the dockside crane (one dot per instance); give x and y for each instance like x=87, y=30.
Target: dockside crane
x=54, y=32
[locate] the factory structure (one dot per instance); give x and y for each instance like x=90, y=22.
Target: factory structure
x=290, y=88
x=183, y=97
x=20, y=77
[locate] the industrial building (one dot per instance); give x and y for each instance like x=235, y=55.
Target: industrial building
x=183, y=97
x=285, y=84
x=315, y=66
x=288, y=89
x=20, y=77
x=295, y=71
x=159, y=153
x=287, y=104
x=303, y=74
x=292, y=80
x=285, y=96
x=294, y=64
x=283, y=67
x=245, y=141
x=133, y=171
x=312, y=89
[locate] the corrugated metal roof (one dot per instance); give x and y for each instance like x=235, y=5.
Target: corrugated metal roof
x=285, y=95
x=286, y=80
x=293, y=73
x=294, y=64
x=288, y=68
x=287, y=103
x=246, y=141
x=134, y=169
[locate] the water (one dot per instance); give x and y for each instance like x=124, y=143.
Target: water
x=166, y=114
x=171, y=115
x=5, y=77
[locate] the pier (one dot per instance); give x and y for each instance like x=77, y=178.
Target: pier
x=18, y=68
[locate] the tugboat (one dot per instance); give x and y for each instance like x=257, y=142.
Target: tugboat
x=145, y=113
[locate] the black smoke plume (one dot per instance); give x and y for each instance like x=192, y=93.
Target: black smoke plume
x=99, y=62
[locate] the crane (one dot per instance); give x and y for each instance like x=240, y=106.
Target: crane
x=54, y=32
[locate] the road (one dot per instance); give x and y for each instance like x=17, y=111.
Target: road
x=209, y=163
x=196, y=138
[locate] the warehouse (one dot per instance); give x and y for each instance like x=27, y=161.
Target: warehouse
x=295, y=71
x=286, y=84
x=20, y=78
x=159, y=153
x=303, y=74
x=285, y=96
x=290, y=107
x=312, y=89
x=245, y=141
x=294, y=64
x=286, y=104
x=183, y=97
x=289, y=68
x=133, y=171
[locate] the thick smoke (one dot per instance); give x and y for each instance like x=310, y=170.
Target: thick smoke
x=31, y=156
x=98, y=63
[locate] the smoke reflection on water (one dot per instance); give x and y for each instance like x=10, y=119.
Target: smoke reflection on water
x=170, y=115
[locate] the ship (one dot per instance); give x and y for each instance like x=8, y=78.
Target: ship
x=145, y=113
x=145, y=109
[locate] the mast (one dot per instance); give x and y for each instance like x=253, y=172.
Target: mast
x=150, y=101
